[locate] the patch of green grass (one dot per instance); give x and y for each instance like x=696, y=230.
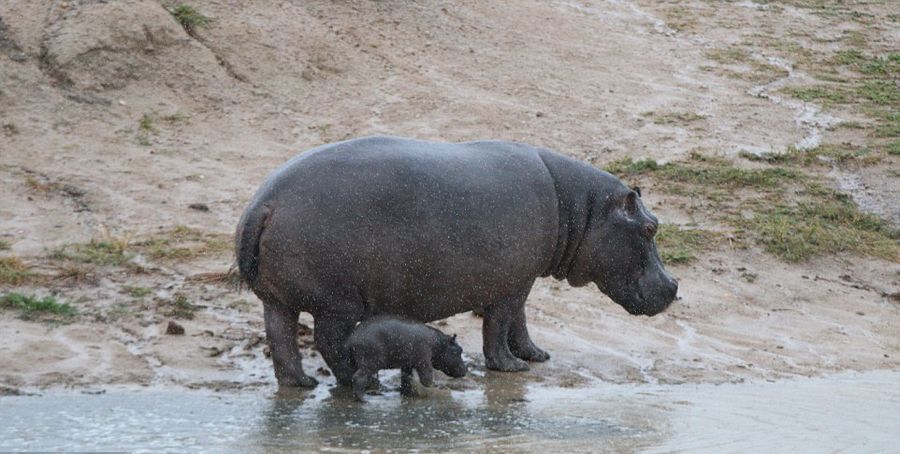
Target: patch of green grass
x=179, y=307
x=29, y=307
x=669, y=118
x=680, y=246
x=146, y=123
x=829, y=225
x=882, y=92
x=137, y=292
x=869, y=65
x=729, y=55
x=759, y=70
x=4, y=245
x=13, y=271
x=823, y=154
x=850, y=125
x=97, y=252
x=888, y=126
x=893, y=148
x=188, y=17
x=827, y=94
x=788, y=212
x=706, y=171
x=182, y=242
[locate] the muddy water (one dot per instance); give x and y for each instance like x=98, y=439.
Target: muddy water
x=850, y=412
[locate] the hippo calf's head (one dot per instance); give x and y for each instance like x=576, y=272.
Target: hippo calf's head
x=619, y=254
x=447, y=357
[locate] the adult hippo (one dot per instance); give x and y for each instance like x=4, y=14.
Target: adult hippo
x=425, y=230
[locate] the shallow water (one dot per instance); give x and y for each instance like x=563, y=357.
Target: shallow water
x=848, y=413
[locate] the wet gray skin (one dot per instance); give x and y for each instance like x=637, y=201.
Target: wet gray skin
x=424, y=230
x=385, y=342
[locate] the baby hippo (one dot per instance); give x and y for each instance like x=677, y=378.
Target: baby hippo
x=389, y=343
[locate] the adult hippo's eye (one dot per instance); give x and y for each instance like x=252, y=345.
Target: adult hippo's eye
x=650, y=230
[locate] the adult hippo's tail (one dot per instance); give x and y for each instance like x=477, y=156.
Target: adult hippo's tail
x=246, y=241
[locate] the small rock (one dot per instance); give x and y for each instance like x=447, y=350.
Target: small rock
x=174, y=328
x=539, y=114
x=199, y=206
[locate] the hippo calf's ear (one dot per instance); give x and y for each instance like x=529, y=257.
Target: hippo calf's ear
x=638, y=190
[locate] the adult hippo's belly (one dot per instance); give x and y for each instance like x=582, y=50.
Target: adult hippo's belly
x=425, y=230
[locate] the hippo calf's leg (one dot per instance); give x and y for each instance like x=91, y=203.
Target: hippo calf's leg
x=498, y=319
x=520, y=343
x=407, y=387
x=281, y=332
x=426, y=374
x=330, y=333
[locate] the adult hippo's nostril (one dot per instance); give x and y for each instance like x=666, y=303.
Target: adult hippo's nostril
x=671, y=289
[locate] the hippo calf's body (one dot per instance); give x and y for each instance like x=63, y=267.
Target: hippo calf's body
x=424, y=230
x=385, y=342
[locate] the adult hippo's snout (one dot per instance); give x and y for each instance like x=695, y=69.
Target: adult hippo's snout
x=655, y=294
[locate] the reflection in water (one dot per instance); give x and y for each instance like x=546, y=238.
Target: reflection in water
x=505, y=414
x=497, y=416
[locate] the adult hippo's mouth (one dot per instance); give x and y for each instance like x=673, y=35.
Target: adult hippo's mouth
x=636, y=303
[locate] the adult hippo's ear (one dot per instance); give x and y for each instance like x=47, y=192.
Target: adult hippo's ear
x=638, y=190
x=631, y=203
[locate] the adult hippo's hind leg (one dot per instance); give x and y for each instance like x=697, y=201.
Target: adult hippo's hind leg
x=520, y=343
x=281, y=332
x=330, y=333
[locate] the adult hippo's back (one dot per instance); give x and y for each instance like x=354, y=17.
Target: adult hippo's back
x=425, y=230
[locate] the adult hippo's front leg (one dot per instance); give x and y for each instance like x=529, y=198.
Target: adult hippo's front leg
x=498, y=324
x=520, y=343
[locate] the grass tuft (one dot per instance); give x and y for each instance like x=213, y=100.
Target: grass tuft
x=823, y=154
x=670, y=118
x=178, y=307
x=893, y=148
x=13, y=271
x=29, y=307
x=188, y=17
x=97, y=252
x=182, y=242
x=137, y=292
x=707, y=171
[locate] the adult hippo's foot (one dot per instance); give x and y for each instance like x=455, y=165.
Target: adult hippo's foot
x=529, y=352
x=520, y=343
x=281, y=333
x=294, y=377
